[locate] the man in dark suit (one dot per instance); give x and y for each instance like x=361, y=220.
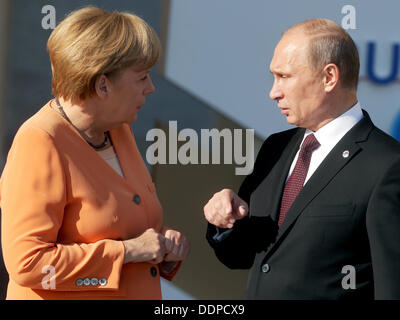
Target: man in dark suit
x=319, y=217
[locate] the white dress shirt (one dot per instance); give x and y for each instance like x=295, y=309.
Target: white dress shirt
x=328, y=136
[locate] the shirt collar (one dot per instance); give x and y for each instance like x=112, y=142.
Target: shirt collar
x=334, y=130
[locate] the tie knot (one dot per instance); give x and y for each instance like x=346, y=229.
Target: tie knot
x=310, y=143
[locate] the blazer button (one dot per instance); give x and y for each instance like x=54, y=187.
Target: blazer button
x=86, y=281
x=102, y=282
x=94, y=281
x=136, y=199
x=265, y=268
x=153, y=271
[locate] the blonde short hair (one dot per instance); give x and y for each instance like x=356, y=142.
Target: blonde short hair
x=90, y=42
x=330, y=43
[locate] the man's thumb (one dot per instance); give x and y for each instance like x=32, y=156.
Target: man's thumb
x=242, y=209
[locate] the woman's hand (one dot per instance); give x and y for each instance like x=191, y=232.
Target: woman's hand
x=149, y=247
x=176, y=244
x=153, y=247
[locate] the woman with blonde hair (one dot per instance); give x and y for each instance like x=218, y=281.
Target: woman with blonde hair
x=80, y=214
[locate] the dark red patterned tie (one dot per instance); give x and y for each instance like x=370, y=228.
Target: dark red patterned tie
x=296, y=180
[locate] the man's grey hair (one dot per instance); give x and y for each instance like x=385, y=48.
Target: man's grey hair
x=329, y=43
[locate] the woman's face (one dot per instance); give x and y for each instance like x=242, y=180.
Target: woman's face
x=126, y=94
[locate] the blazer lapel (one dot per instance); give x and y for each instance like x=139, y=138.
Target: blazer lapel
x=137, y=177
x=347, y=148
x=126, y=155
x=265, y=200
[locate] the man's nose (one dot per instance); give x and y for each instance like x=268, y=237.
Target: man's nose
x=276, y=92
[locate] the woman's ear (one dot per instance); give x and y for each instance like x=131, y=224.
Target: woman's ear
x=102, y=86
x=331, y=77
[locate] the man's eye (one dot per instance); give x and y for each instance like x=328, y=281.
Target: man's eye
x=144, y=78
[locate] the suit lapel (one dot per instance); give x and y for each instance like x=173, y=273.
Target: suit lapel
x=336, y=160
x=265, y=200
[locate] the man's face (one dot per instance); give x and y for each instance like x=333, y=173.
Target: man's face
x=298, y=90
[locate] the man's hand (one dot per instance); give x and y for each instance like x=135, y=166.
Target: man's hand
x=224, y=208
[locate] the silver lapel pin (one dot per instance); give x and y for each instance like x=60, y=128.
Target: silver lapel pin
x=345, y=154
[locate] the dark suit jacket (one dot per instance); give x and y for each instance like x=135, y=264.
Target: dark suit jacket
x=348, y=213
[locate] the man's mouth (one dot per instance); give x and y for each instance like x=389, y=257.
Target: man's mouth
x=284, y=110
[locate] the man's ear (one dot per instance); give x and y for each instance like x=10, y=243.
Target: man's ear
x=102, y=86
x=331, y=77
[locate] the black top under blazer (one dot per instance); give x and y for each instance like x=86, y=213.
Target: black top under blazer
x=348, y=213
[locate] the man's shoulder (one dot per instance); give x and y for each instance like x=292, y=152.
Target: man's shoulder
x=383, y=145
x=375, y=138
x=382, y=141
x=377, y=147
x=282, y=138
x=276, y=143
x=286, y=134
x=378, y=136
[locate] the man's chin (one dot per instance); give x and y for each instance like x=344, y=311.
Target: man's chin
x=293, y=122
x=290, y=120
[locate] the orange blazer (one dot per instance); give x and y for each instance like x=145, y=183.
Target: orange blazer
x=65, y=211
